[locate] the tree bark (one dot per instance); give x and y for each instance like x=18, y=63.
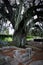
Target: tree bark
x=19, y=39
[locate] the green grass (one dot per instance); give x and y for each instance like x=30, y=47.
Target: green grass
x=8, y=39
x=29, y=38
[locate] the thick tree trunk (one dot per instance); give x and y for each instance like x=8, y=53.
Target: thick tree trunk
x=19, y=39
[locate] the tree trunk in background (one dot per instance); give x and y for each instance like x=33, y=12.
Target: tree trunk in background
x=19, y=39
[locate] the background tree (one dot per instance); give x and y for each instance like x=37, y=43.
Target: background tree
x=13, y=11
